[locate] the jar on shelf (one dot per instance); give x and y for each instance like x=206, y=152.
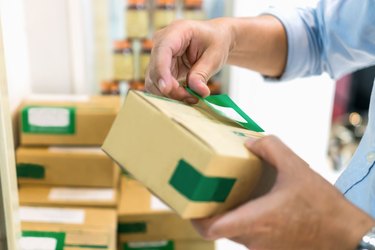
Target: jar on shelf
x=164, y=13
x=137, y=19
x=123, y=61
x=145, y=56
x=137, y=85
x=109, y=87
x=193, y=9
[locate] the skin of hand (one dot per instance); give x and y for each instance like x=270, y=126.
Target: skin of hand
x=302, y=211
x=193, y=51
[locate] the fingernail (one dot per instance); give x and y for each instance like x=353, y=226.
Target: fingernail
x=161, y=85
x=191, y=100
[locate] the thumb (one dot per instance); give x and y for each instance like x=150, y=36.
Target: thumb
x=207, y=65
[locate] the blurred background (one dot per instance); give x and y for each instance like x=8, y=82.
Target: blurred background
x=102, y=47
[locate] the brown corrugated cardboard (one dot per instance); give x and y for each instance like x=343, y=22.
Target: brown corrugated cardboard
x=40, y=195
x=72, y=228
x=79, y=122
x=141, y=216
x=66, y=166
x=192, y=158
x=168, y=245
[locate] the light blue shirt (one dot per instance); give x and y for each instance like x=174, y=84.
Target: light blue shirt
x=338, y=37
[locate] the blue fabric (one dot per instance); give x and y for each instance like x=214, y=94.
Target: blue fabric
x=338, y=37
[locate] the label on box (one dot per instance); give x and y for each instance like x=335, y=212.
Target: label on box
x=81, y=194
x=58, y=98
x=38, y=243
x=151, y=245
x=158, y=205
x=52, y=215
x=48, y=120
x=77, y=150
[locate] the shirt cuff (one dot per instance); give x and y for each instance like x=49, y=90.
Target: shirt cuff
x=298, y=44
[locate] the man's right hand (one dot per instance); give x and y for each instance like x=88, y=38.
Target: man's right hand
x=191, y=51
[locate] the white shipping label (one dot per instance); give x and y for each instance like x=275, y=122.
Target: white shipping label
x=77, y=150
x=49, y=117
x=58, y=98
x=37, y=243
x=229, y=113
x=158, y=205
x=81, y=194
x=52, y=215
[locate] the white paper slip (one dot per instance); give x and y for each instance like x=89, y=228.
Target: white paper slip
x=81, y=194
x=78, y=150
x=58, y=98
x=49, y=117
x=158, y=205
x=37, y=243
x=229, y=113
x=52, y=215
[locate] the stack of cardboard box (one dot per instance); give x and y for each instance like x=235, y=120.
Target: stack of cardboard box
x=145, y=222
x=68, y=188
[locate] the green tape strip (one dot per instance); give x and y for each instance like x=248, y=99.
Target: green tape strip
x=87, y=246
x=130, y=228
x=49, y=113
x=159, y=245
x=58, y=236
x=30, y=170
x=196, y=187
x=225, y=101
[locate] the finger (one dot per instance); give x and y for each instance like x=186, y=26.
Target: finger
x=181, y=94
x=272, y=150
x=160, y=70
x=207, y=65
x=150, y=87
x=238, y=222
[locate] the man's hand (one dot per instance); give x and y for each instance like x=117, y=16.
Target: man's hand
x=302, y=211
x=191, y=51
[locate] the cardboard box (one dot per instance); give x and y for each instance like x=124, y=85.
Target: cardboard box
x=190, y=157
x=142, y=216
x=68, y=228
x=39, y=195
x=66, y=166
x=168, y=245
x=67, y=122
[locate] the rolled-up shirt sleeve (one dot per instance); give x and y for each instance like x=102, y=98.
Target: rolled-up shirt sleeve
x=336, y=37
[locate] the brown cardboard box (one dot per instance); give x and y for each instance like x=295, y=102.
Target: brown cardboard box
x=69, y=228
x=142, y=216
x=80, y=122
x=40, y=195
x=66, y=166
x=192, y=158
x=168, y=245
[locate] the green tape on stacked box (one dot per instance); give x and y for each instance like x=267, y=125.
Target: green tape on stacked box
x=49, y=120
x=157, y=245
x=30, y=170
x=129, y=228
x=87, y=246
x=58, y=236
x=196, y=187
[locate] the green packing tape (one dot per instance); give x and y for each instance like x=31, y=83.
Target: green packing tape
x=157, y=245
x=196, y=187
x=30, y=170
x=48, y=120
x=58, y=236
x=219, y=103
x=130, y=228
x=88, y=246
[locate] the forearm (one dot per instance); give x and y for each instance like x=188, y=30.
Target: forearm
x=260, y=44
